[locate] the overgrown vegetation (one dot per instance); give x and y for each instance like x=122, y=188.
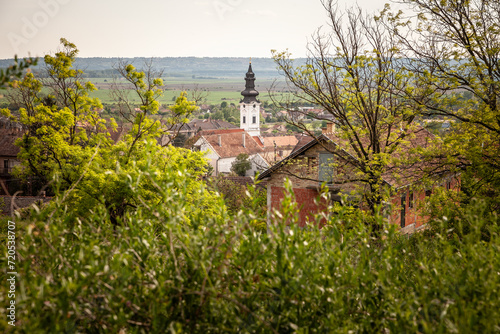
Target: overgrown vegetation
x=156, y=273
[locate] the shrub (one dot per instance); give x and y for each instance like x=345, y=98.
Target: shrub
x=154, y=273
x=241, y=165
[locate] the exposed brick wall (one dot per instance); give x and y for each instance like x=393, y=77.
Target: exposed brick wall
x=20, y=202
x=302, y=173
x=415, y=219
x=306, y=166
x=306, y=200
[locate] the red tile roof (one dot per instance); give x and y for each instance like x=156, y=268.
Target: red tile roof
x=231, y=142
x=208, y=124
x=280, y=141
x=302, y=141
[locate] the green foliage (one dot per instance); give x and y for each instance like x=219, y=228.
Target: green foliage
x=63, y=127
x=155, y=273
x=457, y=50
x=67, y=141
x=16, y=70
x=249, y=201
x=241, y=165
x=106, y=181
x=356, y=76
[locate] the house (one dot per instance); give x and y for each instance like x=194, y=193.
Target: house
x=223, y=146
x=9, y=132
x=191, y=129
x=309, y=167
x=278, y=147
x=276, y=129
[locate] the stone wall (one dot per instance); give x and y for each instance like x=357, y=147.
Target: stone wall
x=19, y=202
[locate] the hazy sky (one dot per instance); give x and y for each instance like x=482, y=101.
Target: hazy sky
x=168, y=28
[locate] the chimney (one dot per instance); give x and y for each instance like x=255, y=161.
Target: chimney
x=330, y=128
x=220, y=140
x=243, y=135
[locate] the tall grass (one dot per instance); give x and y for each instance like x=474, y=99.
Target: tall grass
x=156, y=274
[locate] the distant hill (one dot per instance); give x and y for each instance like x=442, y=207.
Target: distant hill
x=189, y=67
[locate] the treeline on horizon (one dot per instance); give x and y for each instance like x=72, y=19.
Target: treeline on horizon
x=189, y=67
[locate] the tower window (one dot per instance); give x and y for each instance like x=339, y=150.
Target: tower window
x=244, y=119
x=254, y=119
x=243, y=106
x=254, y=106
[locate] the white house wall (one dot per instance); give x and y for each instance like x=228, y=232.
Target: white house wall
x=258, y=164
x=225, y=164
x=209, y=153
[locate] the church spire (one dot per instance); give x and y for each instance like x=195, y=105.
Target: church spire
x=250, y=94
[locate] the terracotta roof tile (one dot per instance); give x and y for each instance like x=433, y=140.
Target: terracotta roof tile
x=209, y=124
x=304, y=140
x=231, y=142
x=280, y=141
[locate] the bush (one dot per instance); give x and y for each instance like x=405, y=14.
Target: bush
x=154, y=273
x=241, y=165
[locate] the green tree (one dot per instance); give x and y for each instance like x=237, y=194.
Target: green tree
x=241, y=165
x=148, y=87
x=356, y=76
x=62, y=127
x=67, y=141
x=15, y=70
x=457, y=52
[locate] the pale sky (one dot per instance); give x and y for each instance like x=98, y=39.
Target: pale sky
x=168, y=28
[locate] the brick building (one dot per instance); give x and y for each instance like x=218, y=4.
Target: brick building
x=8, y=157
x=310, y=165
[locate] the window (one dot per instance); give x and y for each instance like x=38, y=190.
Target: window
x=254, y=119
x=428, y=192
x=244, y=119
x=403, y=210
x=254, y=106
x=410, y=200
x=448, y=185
x=326, y=169
x=6, y=163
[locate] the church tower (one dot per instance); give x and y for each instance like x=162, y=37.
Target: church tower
x=250, y=106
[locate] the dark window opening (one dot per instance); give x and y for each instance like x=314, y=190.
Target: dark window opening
x=448, y=185
x=403, y=210
x=254, y=106
x=244, y=119
x=428, y=193
x=254, y=119
x=410, y=200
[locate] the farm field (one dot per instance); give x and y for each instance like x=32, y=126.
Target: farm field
x=216, y=90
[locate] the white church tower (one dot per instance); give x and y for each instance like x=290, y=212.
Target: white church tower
x=250, y=106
